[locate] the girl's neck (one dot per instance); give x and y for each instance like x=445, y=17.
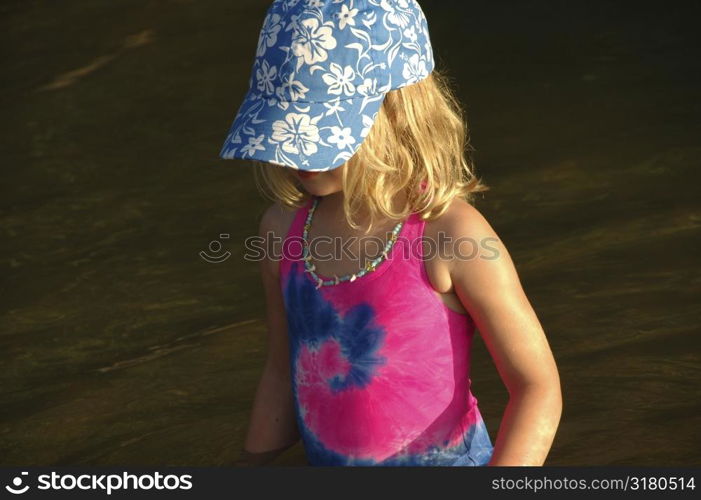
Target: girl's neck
x=330, y=208
x=333, y=204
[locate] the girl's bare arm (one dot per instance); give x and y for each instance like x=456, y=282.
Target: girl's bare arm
x=490, y=289
x=272, y=427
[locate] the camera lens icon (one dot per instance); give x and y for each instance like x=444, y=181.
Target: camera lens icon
x=16, y=487
x=216, y=256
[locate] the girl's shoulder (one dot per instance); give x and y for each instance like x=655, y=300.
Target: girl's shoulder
x=463, y=234
x=471, y=253
x=277, y=220
x=460, y=220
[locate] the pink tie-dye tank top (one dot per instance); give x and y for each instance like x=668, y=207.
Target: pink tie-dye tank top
x=380, y=366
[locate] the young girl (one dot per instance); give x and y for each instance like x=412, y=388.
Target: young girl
x=360, y=140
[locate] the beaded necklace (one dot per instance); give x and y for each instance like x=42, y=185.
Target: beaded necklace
x=369, y=267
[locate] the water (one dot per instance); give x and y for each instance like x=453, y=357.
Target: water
x=119, y=344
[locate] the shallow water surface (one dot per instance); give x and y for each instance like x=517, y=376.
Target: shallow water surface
x=120, y=344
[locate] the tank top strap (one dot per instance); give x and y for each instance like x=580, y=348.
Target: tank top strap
x=409, y=248
x=414, y=227
x=292, y=244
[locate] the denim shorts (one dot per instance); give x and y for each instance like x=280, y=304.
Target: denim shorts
x=481, y=449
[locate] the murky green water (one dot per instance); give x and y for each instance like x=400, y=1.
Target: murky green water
x=119, y=344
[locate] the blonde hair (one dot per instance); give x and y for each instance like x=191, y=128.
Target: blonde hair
x=419, y=137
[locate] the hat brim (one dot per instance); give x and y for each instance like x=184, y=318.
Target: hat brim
x=311, y=136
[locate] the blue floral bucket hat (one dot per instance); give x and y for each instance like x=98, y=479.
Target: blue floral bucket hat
x=321, y=71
